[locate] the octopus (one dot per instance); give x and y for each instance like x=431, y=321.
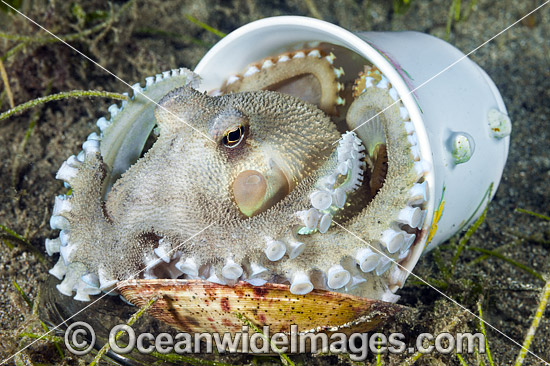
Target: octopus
x=284, y=176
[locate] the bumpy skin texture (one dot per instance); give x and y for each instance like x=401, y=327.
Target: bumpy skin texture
x=183, y=183
x=186, y=209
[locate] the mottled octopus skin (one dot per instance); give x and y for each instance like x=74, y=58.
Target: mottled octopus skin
x=182, y=184
x=178, y=196
x=398, y=168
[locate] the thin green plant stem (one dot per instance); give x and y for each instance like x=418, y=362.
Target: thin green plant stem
x=12, y=51
x=379, y=357
x=49, y=338
x=499, y=249
x=7, y=243
x=401, y=6
x=540, y=216
x=440, y=284
x=462, y=362
x=412, y=360
x=30, y=130
x=16, y=37
x=11, y=235
x=482, y=327
x=455, y=14
x=47, y=330
x=534, y=324
x=27, y=40
x=23, y=294
x=450, y=20
x=313, y=9
x=442, y=266
x=487, y=196
x=462, y=243
x=34, y=306
x=464, y=240
x=44, y=40
x=129, y=323
x=14, y=234
x=48, y=39
x=205, y=26
x=509, y=260
x=469, y=9
x=457, y=10
x=284, y=358
x=6, y=82
x=59, y=96
x=480, y=361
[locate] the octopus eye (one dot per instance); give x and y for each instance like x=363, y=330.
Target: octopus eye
x=234, y=137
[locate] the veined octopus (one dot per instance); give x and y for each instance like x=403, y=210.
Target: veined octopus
x=247, y=184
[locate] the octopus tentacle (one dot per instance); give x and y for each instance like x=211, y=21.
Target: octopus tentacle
x=403, y=190
x=309, y=74
x=124, y=135
x=390, y=221
x=80, y=215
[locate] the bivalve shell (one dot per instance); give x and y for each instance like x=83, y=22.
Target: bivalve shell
x=202, y=306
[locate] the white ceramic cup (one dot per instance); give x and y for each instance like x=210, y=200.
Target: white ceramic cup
x=459, y=116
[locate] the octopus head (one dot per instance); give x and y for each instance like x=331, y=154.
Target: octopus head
x=262, y=145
